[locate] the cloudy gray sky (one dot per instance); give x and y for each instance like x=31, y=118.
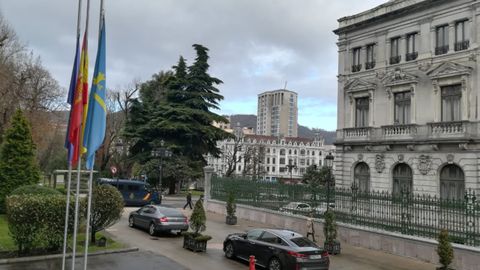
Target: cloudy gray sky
x=255, y=45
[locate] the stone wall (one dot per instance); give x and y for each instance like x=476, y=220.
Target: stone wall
x=466, y=258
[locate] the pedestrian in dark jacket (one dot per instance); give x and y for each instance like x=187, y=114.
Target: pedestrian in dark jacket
x=189, y=201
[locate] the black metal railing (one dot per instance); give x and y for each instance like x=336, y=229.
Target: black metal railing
x=411, y=56
x=369, y=65
x=407, y=213
x=356, y=68
x=395, y=59
x=462, y=45
x=441, y=50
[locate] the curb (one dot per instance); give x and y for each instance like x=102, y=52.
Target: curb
x=58, y=256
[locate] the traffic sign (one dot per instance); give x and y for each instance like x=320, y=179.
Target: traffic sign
x=113, y=169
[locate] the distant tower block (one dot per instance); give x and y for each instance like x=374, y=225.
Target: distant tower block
x=277, y=113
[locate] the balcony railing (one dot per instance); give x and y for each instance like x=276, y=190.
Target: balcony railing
x=413, y=132
x=399, y=130
x=356, y=68
x=369, y=65
x=462, y=45
x=411, y=56
x=441, y=50
x=456, y=127
x=357, y=132
x=395, y=59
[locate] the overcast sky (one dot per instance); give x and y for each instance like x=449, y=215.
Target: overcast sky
x=255, y=45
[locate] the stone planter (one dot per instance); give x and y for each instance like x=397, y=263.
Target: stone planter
x=332, y=248
x=231, y=220
x=190, y=242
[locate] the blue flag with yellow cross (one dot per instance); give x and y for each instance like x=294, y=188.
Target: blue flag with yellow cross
x=95, y=125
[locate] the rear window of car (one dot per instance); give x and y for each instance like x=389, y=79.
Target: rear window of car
x=303, y=242
x=169, y=211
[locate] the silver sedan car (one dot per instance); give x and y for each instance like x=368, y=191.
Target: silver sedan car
x=156, y=219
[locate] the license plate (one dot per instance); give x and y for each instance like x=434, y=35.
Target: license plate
x=315, y=257
x=175, y=231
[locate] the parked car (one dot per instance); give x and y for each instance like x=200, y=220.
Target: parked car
x=134, y=193
x=156, y=219
x=305, y=208
x=276, y=249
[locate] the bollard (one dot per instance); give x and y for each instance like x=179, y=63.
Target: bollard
x=252, y=263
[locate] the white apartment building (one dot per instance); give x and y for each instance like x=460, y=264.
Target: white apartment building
x=277, y=113
x=280, y=158
x=408, y=98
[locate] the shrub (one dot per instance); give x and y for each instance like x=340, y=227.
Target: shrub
x=444, y=249
x=37, y=221
x=231, y=206
x=330, y=227
x=35, y=190
x=17, y=158
x=198, y=218
x=107, y=207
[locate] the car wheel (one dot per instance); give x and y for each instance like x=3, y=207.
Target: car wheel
x=274, y=264
x=229, y=250
x=151, y=229
x=131, y=223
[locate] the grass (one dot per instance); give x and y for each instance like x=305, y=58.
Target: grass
x=7, y=244
x=194, y=192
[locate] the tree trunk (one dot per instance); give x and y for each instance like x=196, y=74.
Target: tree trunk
x=92, y=235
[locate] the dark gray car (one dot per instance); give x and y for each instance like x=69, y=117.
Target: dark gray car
x=277, y=250
x=158, y=219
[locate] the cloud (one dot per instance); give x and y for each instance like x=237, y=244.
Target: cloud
x=255, y=45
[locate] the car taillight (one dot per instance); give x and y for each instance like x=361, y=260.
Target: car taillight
x=296, y=254
x=164, y=219
x=324, y=254
x=186, y=220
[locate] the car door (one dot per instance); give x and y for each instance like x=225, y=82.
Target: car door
x=247, y=247
x=145, y=216
x=267, y=246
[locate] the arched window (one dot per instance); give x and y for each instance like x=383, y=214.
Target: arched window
x=282, y=152
x=362, y=177
x=402, y=179
x=452, y=183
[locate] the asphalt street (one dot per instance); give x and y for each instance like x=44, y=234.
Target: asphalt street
x=352, y=258
x=120, y=261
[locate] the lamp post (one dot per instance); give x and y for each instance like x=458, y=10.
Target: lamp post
x=161, y=153
x=329, y=162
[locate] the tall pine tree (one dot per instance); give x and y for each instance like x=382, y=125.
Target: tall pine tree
x=18, y=165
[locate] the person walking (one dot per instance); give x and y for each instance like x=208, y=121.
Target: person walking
x=311, y=227
x=189, y=201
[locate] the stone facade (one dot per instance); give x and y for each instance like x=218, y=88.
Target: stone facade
x=408, y=97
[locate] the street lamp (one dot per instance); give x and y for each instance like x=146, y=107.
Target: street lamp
x=329, y=162
x=161, y=153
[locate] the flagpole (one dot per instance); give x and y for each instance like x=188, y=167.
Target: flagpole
x=89, y=207
x=67, y=209
x=69, y=177
x=75, y=225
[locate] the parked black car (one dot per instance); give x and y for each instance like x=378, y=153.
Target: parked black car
x=156, y=218
x=277, y=250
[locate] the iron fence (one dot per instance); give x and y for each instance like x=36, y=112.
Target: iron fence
x=410, y=214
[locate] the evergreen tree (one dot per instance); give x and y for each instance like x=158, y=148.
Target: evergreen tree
x=444, y=249
x=18, y=165
x=198, y=218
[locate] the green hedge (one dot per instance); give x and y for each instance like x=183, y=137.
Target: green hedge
x=37, y=221
x=35, y=190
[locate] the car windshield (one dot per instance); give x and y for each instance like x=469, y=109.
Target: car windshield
x=170, y=211
x=303, y=242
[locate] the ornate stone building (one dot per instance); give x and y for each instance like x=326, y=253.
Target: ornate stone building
x=273, y=158
x=408, y=88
